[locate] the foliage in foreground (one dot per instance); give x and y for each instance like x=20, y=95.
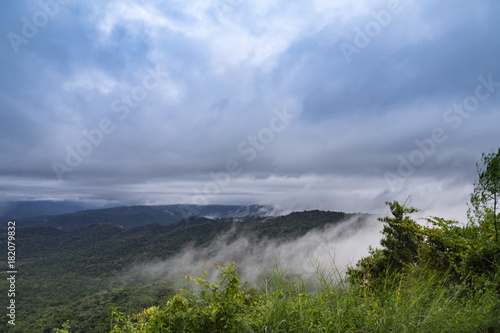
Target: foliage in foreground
x=220, y=307
x=421, y=301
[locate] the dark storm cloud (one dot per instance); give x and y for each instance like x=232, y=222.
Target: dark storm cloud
x=79, y=93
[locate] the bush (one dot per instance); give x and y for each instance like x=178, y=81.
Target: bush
x=223, y=306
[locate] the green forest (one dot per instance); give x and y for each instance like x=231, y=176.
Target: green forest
x=434, y=275
x=72, y=274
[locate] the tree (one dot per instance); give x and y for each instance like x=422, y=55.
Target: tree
x=402, y=235
x=486, y=195
x=401, y=243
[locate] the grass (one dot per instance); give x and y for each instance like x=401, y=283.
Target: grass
x=422, y=300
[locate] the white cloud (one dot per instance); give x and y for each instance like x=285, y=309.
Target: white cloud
x=129, y=14
x=91, y=79
x=253, y=33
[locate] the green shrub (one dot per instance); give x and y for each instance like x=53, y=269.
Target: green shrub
x=223, y=306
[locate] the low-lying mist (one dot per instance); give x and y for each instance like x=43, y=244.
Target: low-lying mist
x=332, y=248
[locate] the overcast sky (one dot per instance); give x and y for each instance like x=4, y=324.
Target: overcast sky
x=338, y=105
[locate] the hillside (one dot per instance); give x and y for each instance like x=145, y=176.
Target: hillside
x=62, y=270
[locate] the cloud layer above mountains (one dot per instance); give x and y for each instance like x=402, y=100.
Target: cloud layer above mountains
x=337, y=105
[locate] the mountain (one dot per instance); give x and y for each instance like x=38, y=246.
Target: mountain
x=25, y=209
x=71, y=274
x=134, y=216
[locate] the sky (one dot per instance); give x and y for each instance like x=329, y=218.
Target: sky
x=335, y=105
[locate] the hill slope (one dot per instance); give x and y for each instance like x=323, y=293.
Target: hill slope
x=61, y=269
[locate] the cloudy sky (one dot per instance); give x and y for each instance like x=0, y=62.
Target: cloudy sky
x=338, y=105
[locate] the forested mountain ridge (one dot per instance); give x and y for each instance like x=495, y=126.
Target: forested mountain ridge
x=26, y=209
x=134, y=216
x=62, y=270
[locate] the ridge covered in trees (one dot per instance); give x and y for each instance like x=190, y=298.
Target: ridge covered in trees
x=72, y=274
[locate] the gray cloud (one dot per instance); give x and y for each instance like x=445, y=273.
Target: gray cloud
x=229, y=69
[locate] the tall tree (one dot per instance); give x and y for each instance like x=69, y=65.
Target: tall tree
x=402, y=239
x=486, y=195
x=402, y=236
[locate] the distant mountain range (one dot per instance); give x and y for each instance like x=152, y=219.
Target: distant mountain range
x=70, y=216
x=24, y=209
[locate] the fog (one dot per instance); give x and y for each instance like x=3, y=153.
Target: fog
x=332, y=248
